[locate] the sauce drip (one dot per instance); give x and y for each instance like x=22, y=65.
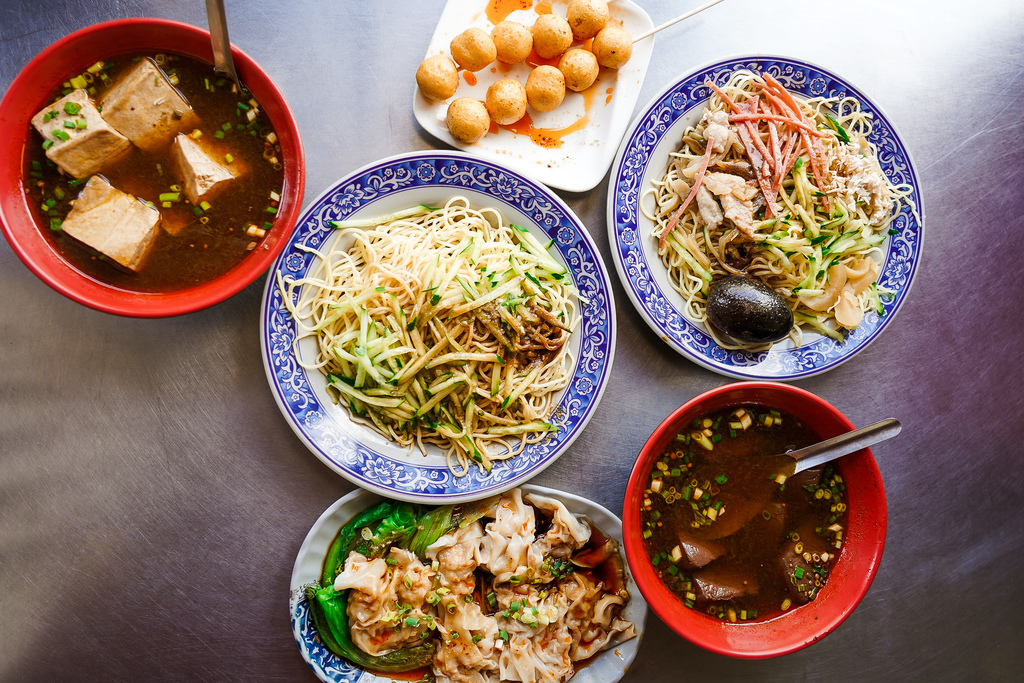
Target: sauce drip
x=498, y=10
x=553, y=138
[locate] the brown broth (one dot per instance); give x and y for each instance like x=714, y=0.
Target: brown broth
x=759, y=537
x=201, y=250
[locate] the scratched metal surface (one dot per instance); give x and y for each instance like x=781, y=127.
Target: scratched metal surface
x=152, y=498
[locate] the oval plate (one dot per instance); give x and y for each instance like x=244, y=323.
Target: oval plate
x=605, y=667
x=359, y=453
x=643, y=157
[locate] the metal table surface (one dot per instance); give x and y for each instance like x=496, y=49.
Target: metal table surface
x=153, y=499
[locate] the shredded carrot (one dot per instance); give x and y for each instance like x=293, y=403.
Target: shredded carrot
x=790, y=152
x=816, y=168
x=773, y=139
x=812, y=151
x=689, y=197
x=750, y=106
x=725, y=98
x=760, y=169
x=735, y=118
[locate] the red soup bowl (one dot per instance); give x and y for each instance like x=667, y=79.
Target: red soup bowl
x=851, y=572
x=32, y=90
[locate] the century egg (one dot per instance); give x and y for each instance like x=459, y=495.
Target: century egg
x=745, y=308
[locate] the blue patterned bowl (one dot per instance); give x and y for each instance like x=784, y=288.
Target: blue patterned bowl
x=643, y=157
x=357, y=452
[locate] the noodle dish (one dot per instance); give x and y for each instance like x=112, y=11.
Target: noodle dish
x=440, y=329
x=776, y=225
x=528, y=585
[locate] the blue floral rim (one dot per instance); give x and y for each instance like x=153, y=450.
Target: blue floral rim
x=336, y=441
x=658, y=124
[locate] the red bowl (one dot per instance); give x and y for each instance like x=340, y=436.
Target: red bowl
x=854, y=569
x=31, y=91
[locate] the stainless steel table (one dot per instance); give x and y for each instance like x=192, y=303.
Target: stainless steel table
x=152, y=497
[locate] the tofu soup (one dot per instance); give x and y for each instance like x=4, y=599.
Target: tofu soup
x=153, y=173
x=729, y=529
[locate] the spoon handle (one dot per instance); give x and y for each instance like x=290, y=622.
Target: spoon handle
x=844, y=444
x=216, y=17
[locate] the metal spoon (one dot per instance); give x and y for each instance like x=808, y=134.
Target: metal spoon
x=844, y=444
x=747, y=500
x=218, y=21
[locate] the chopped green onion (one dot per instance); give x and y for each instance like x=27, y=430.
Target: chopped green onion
x=834, y=125
x=72, y=108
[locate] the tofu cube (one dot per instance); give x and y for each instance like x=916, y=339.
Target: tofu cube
x=146, y=108
x=202, y=176
x=113, y=223
x=78, y=151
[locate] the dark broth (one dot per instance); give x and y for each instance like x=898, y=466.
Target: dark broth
x=728, y=536
x=207, y=243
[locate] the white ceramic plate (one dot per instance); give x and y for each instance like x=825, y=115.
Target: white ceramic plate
x=643, y=157
x=356, y=451
x=585, y=155
x=606, y=667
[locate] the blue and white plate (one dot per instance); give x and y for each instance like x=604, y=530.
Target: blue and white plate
x=605, y=667
x=356, y=451
x=643, y=157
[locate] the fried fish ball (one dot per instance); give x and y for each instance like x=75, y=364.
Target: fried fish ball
x=545, y=88
x=580, y=69
x=613, y=46
x=467, y=120
x=513, y=41
x=587, y=17
x=551, y=35
x=437, y=77
x=506, y=101
x=473, y=49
